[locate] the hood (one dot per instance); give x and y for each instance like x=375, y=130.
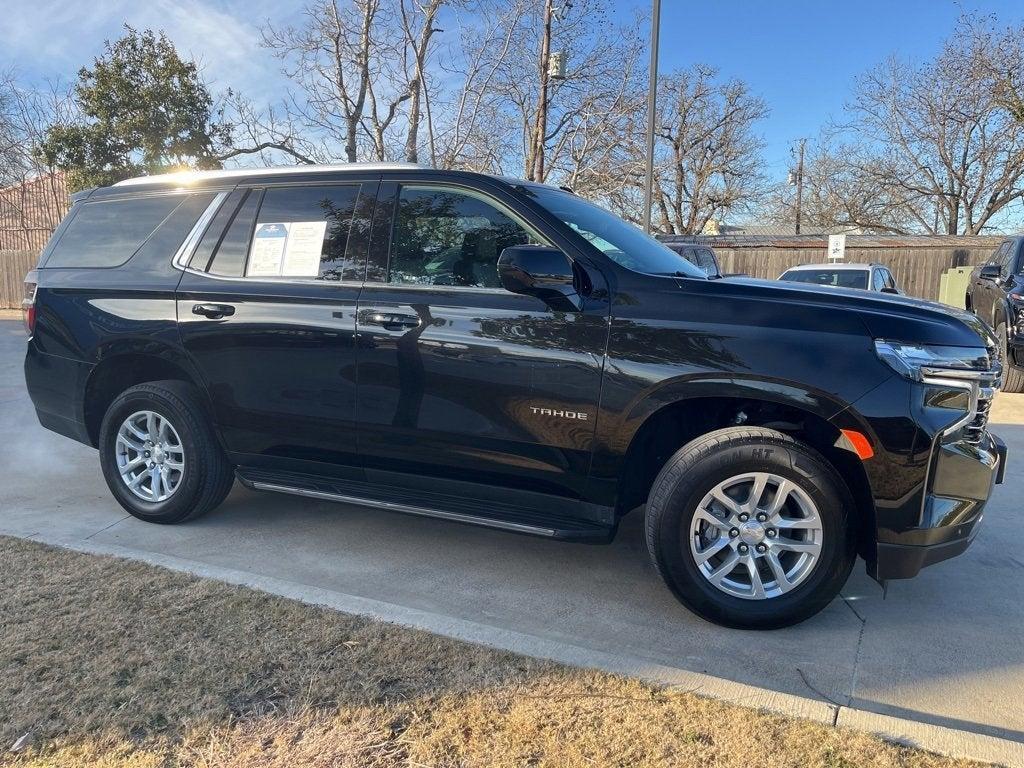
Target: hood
x=885, y=315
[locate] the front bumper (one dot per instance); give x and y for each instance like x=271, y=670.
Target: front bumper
x=961, y=479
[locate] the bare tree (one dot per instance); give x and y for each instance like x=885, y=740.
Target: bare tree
x=708, y=161
x=940, y=143
x=34, y=196
x=469, y=127
x=330, y=59
x=418, y=26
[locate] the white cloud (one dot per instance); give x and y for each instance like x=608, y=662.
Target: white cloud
x=50, y=38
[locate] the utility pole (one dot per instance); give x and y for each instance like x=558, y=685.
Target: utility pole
x=540, y=128
x=652, y=102
x=800, y=183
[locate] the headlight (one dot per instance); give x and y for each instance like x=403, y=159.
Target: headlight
x=927, y=362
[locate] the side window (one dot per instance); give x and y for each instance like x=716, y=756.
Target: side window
x=444, y=236
x=1005, y=257
x=204, y=251
x=290, y=232
x=106, y=233
x=690, y=254
x=877, y=280
x=999, y=255
x=706, y=261
x=233, y=242
x=890, y=281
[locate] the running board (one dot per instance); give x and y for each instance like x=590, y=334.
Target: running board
x=505, y=517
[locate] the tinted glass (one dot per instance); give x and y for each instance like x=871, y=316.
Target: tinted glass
x=878, y=280
x=842, y=278
x=448, y=237
x=211, y=238
x=619, y=240
x=107, y=233
x=233, y=244
x=706, y=261
x=302, y=232
x=1005, y=257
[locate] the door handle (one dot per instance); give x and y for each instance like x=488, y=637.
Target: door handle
x=213, y=311
x=391, y=321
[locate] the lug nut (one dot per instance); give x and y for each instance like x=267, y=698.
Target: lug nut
x=147, y=454
x=744, y=517
x=744, y=549
x=761, y=548
x=761, y=517
x=734, y=532
x=771, y=533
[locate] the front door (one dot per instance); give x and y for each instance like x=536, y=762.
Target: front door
x=459, y=379
x=266, y=311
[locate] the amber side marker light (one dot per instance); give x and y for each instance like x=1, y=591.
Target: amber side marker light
x=858, y=443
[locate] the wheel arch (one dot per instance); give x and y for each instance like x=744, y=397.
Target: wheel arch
x=119, y=369
x=673, y=424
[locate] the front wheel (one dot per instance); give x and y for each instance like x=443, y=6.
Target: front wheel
x=159, y=455
x=749, y=528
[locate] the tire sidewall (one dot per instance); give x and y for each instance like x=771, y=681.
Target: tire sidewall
x=181, y=502
x=813, y=476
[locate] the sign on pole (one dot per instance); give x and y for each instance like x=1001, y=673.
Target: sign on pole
x=836, y=247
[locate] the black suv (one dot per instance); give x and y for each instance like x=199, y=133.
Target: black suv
x=996, y=294
x=503, y=353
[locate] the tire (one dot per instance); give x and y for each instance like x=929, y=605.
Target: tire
x=205, y=476
x=1013, y=377
x=685, y=483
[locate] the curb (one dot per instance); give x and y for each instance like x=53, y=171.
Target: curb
x=942, y=740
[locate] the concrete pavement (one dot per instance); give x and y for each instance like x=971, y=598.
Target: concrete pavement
x=943, y=650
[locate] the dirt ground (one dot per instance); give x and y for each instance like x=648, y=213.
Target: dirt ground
x=107, y=662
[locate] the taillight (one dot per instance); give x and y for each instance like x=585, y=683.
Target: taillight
x=28, y=304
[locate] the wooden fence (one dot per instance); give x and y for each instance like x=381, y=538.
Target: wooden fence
x=14, y=265
x=916, y=262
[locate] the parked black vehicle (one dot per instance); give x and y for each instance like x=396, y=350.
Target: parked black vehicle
x=996, y=294
x=701, y=256
x=502, y=353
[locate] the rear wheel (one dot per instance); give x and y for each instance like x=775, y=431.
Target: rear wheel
x=159, y=455
x=749, y=528
x=1013, y=377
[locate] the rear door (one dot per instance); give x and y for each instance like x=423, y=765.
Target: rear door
x=461, y=381
x=266, y=309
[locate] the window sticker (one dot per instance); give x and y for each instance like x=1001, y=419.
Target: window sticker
x=267, y=254
x=302, y=251
x=287, y=249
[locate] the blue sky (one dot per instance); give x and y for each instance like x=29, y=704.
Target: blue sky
x=801, y=56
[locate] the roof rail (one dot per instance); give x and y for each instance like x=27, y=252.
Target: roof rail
x=189, y=177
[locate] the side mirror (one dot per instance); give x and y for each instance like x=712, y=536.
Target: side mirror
x=537, y=270
x=990, y=272
x=895, y=291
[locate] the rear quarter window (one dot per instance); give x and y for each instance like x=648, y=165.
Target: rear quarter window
x=106, y=233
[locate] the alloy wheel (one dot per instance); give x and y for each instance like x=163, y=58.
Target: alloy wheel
x=150, y=456
x=756, y=536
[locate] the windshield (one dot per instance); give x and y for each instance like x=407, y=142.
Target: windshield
x=843, y=278
x=618, y=240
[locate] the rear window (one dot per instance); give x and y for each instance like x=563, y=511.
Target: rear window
x=106, y=233
x=840, y=278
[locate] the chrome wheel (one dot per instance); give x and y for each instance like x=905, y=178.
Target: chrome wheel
x=756, y=536
x=150, y=456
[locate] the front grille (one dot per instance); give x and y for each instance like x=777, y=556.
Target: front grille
x=974, y=430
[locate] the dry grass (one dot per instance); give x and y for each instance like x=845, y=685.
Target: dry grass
x=115, y=663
